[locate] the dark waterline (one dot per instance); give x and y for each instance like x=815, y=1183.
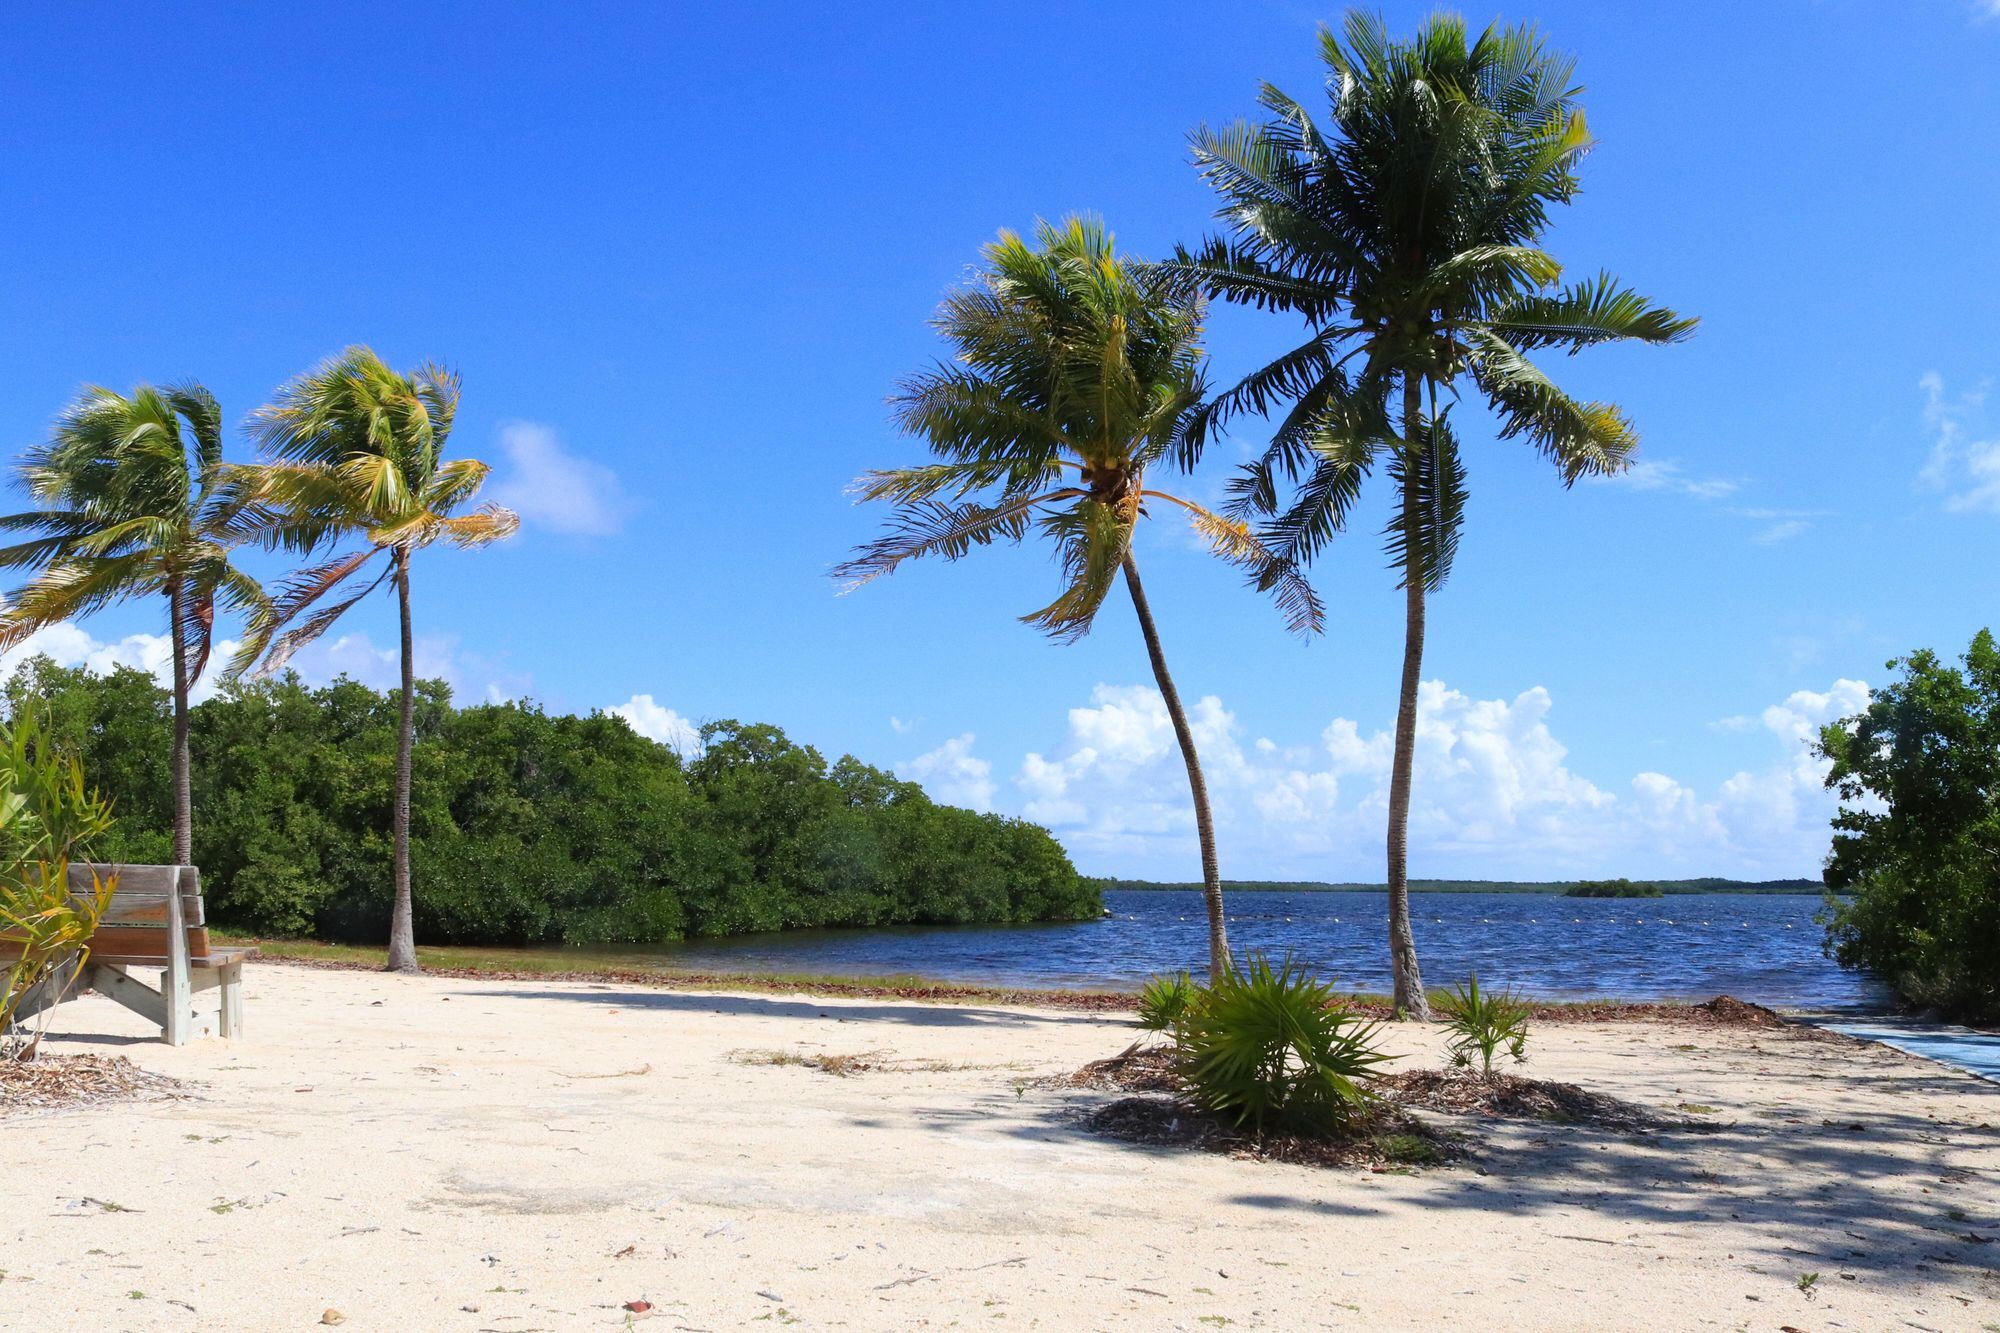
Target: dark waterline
x=1765, y=948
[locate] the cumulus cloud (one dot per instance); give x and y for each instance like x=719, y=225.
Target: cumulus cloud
x=69, y=644
x=952, y=774
x=550, y=487
x=1967, y=470
x=1496, y=794
x=655, y=721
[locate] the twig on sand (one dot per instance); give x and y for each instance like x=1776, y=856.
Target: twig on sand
x=975, y=1268
x=619, y=1073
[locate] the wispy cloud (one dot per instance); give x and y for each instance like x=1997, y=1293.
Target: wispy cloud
x=1967, y=470
x=553, y=488
x=1661, y=474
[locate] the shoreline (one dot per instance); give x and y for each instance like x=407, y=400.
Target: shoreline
x=471, y=963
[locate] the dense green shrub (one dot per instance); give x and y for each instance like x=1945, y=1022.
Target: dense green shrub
x=1917, y=847
x=1276, y=1049
x=1483, y=1023
x=1165, y=1000
x=532, y=828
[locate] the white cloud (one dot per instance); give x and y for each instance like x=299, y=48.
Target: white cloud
x=1660, y=474
x=552, y=488
x=1780, y=532
x=473, y=679
x=903, y=727
x=952, y=774
x=69, y=644
x=1967, y=470
x=1496, y=795
x=657, y=722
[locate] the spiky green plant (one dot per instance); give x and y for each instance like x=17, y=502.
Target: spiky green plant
x=136, y=502
x=1075, y=370
x=1483, y=1023
x=48, y=816
x=1406, y=236
x=1277, y=1049
x=356, y=451
x=1165, y=1000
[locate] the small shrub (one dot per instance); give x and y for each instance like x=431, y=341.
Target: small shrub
x=1165, y=1000
x=1276, y=1049
x=47, y=816
x=1483, y=1023
x=1408, y=1149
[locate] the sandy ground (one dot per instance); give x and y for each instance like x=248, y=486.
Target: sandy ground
x=424, y=1153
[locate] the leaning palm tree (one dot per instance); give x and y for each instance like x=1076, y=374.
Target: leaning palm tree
x=1075, y=371
x=136, y=502
x=357, y=450
x=1406, y=237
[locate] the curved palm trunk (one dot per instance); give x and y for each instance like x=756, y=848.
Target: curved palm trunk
x=1410, y=1000
x=1204, y=823
x=402, y=930
x=183, y=792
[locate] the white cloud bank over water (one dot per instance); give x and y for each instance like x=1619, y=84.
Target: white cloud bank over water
x=1496, y=795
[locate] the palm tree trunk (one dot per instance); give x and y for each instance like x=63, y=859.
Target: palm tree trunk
x=402, y=929
x=183, y=792
x=1410, y=1000
x=1204, y=823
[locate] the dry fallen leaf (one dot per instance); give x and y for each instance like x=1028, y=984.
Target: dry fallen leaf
x=638, y=1307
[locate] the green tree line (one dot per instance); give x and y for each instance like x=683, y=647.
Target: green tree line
x=528, y=827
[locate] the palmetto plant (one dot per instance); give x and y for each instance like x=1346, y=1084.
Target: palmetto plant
x=1405, y=235
x=136, y=502
x=1484, y=1023
x=356, y=450
x=1075, y=371
x=1275, y=1048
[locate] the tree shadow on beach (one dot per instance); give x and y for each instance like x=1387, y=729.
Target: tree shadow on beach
x=1821, y=1183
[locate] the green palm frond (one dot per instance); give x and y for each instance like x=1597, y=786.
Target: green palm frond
x=1422, y=537
x=1597, y=311
x=130, y=487
x=1074, y=372
x=1405, y=230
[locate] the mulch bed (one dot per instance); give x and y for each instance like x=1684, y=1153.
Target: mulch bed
x=53, y=1082
x=1510, y=1097
x=1148, y=1069
x=1385, y=1139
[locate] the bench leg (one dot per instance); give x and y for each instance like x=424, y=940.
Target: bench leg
x=51, y=990
x=232, y=1000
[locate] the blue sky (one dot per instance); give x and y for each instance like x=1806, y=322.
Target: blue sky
x=680, y=256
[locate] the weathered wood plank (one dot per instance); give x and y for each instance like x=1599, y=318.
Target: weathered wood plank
x=175, y=984
x=232, y=999
x=114, y=983
x=147, y=941
x=149, y=909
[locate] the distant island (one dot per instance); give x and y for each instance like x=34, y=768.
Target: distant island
x=1612, y=888
x=1569, y=887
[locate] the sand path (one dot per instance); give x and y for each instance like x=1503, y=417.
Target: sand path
x=430, y=1153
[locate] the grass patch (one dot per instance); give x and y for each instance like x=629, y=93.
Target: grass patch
x=848, y=1064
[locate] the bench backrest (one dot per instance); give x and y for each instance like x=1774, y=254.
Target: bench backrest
x=147, y=902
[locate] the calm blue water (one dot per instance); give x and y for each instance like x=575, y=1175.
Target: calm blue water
x=1765, y=949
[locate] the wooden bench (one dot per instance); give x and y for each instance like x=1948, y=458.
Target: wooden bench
x=155, y=920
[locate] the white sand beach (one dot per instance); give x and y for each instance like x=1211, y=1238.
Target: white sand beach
x=436, y=1153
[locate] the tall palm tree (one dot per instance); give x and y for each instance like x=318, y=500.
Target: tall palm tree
x=356, y=449
x=1406, y=236
x=1075, y=371
x=137, y=502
